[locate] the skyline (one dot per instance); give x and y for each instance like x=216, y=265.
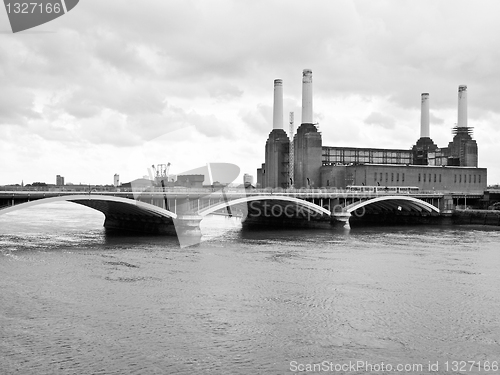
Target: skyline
x=112, y=89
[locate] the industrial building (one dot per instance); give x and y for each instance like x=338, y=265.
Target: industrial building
x=303, y=162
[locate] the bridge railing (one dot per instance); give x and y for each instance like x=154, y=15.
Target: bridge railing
x=229, y=191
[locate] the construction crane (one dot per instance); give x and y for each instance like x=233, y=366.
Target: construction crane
x=161, y=172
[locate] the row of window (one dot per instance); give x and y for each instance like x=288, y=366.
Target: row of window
x=366, y=153
x=329, y=159
x=346, y=156
x=430, y=177
x=381, y=175
x=459, y=179
x=426, y=177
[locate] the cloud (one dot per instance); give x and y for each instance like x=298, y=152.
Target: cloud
x=259, y=119
x=224, y=91
x=114, y=76
x=379, y=119
x=17, y=106
x=433, y=119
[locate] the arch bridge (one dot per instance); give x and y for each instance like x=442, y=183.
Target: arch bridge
x=119, y=212
x=165, y=212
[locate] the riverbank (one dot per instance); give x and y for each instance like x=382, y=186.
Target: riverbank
x=482, y=217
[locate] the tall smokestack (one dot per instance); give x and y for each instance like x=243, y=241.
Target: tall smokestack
x=462, y=106
x=424, y=117
x=278, y=104
x=307, y=100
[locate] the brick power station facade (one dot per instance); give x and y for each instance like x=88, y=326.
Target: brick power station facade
x=425, y=165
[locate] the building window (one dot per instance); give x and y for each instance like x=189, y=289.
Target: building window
x=434, y=177
x=440, y=178
x=386, y=177
x=392, y=177
x=327, y=182
x=419, y=177
x=375, y=179
x=430, y=177
x=397, y=177
x=455, y=178
x=403, y=178
x=460, y=178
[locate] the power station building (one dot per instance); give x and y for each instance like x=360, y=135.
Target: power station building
x=303, y=162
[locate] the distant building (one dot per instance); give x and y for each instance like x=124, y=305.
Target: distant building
x=116, y=180
x=59, y=180
x=138, y=184
x=247, y=179
x=190, y=180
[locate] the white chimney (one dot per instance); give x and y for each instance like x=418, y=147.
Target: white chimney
x=462, y=106
x=307, y=100
x=424, y=117
x=278, y=104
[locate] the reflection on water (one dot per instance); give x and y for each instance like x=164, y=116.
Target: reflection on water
x=75, y=300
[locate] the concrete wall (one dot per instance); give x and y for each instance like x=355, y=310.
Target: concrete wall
x=307, y=148
x=421, y=151
x=260, y=175
x=463, y=149
x=471, y=159
x=277, y=153
x=333, y=176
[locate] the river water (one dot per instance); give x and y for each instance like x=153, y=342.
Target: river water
x=76, y=301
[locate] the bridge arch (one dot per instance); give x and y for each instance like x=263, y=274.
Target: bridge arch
x=391, y=202
x=300, y=202
x=108, y=205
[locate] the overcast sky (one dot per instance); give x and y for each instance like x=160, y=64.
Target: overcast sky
x=115, y=86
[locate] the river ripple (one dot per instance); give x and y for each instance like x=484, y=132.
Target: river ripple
x=75, y=301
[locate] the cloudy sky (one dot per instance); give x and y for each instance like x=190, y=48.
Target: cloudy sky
x=115, y=86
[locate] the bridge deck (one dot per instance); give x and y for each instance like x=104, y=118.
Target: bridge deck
x=199, y=193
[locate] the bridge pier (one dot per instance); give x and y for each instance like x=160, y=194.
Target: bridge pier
x=188, y=229
x=342, y=217
x=446, y=203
